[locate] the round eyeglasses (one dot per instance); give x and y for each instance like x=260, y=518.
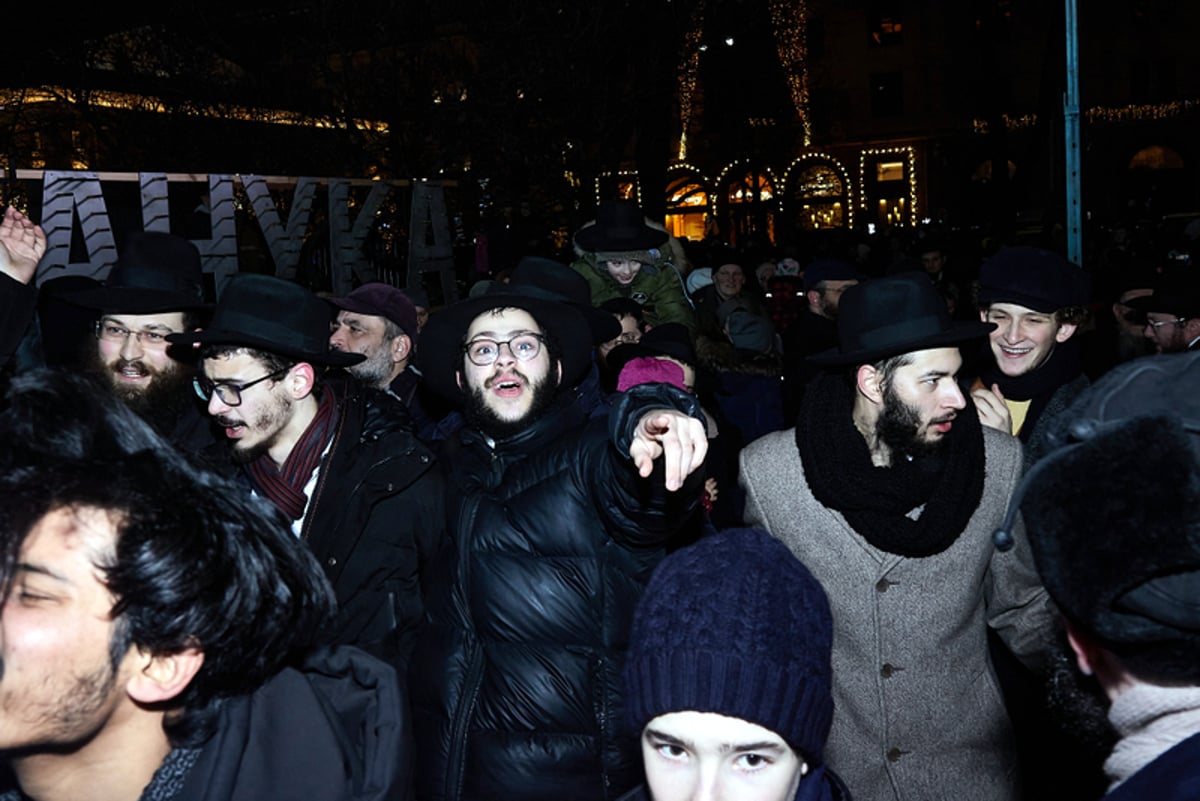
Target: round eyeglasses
x=523, y=347
x=229, y=394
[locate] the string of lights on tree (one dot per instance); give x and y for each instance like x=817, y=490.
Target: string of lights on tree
x=789, y=19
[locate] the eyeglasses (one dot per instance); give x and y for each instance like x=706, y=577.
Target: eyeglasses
x=523, y=347
x=628, y=338
x=1157, y=324
x=229, y=394
x=119, y=334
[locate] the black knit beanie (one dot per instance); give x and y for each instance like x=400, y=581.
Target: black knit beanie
x=734, y=624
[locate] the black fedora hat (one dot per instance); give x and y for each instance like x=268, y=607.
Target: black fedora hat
x=620, y=227
x=1176, y=291
x=895, y=314
x=155, y=272
x=274, y=315
x=548, y=279
x=440, y=355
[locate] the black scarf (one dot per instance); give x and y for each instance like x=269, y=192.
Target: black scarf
x=876, y=500
x=1037, y=385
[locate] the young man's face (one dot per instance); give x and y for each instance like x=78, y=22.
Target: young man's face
x=365, y=334
x=509, y=388
x=691, y=755
x=921, y=401
x=933, y=261
x=1023, y=339
x=58, y=684
x=132, y=351
x=259, y=422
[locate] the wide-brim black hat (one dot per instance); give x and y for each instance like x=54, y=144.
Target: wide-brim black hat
x=440, y=354
x=155, y=272
x=1175, y=292
x=548, y=279
x=620, y=227
x=895, y=314
x=273, y=315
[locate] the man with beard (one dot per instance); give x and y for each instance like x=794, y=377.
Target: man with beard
x=156, y=288
x=378, y=321
x=1172, y=311
x=157, y=626
x=339, y=459
x=889, y=491
x=556, y=522
x=815, y=328
x=1129, y=469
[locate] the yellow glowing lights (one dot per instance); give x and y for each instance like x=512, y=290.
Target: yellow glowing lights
x=891, y=212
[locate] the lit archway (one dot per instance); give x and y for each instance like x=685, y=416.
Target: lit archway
x=818, y=193
x=688, y=203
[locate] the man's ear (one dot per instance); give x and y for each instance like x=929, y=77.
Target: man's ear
x=401, y=347
x=813, y=297
x=163, y=677
x=301, y=379
x=867, y=379
x=1085, y=652
x=1064, y=332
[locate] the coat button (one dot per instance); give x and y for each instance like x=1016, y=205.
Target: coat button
x=888, y=670
x=331, y=561
x=883, y=584
x=894, y=755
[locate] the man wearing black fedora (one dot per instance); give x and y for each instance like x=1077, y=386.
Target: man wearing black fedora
x=155, y=289
x=1172, y=311
x=890, y=490
x=340, y=460
x=556, y=519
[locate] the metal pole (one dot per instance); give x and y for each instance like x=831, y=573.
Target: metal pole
x=1071, y=131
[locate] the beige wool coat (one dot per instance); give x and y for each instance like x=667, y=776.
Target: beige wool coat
x=918, y=712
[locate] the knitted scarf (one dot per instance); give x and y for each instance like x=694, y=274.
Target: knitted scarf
x=1151, y=721
x=877, y=501
x=284, y=485
x=1036, y=386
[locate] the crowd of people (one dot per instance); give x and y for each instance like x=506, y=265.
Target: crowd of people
x=653, y=521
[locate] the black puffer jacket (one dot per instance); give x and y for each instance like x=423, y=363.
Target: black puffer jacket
x=516, y=680
x=375, y=520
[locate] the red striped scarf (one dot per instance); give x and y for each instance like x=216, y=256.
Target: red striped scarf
x=284, y=485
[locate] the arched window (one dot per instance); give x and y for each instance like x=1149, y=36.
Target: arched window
x=687, y=207
x=818, y=197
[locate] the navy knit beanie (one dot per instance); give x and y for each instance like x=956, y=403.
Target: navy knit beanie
x=734, y=624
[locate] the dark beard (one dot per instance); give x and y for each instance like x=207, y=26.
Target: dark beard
x=162, y=403
x=899, y=427
x=480, y=416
